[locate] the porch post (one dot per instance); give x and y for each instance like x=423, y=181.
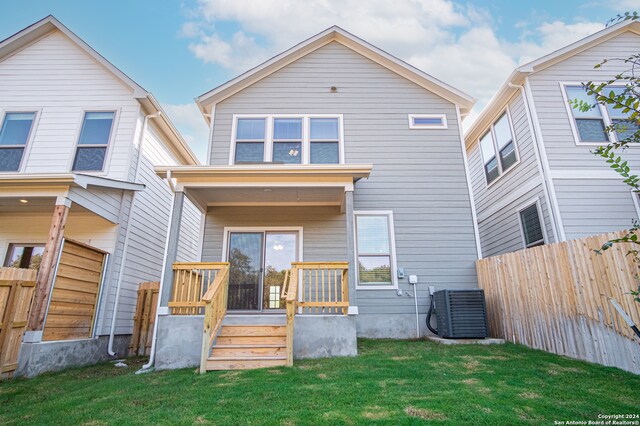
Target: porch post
x=171, y=253
x=348, y=208
x=46, y=274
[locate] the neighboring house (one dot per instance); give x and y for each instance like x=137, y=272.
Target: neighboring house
x=78, y=143
x=535, y=179
x=333, y=151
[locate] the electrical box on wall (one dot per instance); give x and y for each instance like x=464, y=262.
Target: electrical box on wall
x=413, y=279
x=400, y=273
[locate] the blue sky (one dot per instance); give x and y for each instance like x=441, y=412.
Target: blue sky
x=181, y=49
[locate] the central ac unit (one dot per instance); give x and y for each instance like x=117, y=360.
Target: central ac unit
x=461, y=314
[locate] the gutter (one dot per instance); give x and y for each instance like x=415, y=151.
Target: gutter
x=127, y=237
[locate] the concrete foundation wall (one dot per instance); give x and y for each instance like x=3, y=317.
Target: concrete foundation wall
x=42, y=357
x=179, y=341
x=321, y=336
x=379, y=326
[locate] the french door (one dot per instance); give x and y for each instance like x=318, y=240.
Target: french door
x=258, y=261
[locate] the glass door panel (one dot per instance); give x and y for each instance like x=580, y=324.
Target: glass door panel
x=280, y=250
x=245, y=270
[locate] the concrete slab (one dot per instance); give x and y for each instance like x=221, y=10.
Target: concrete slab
x=487, y=341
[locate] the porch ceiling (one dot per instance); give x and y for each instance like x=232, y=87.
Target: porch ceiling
x=265, y=184
x=33, y=205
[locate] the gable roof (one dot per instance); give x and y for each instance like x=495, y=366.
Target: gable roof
x=36, y=31
x=518, y=76
x=349, y=40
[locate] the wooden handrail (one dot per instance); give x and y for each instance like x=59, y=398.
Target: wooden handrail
x=215, y=308
x=191, y=280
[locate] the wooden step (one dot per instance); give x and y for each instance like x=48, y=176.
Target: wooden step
x=227, y=351
x=251, y=340
x=253, y=330
x=245, y=363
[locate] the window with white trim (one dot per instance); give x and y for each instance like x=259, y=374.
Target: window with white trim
x=14, y=135
x=374, y=249
x=498, y=149
x=532, y=232
x=427, y=121
x=95, y=134
x=287, y=139
x=324, y=141
x=590, y=126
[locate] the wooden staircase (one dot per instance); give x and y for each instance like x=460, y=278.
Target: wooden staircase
x=242, y=347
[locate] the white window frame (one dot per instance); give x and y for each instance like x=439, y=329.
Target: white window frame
x=110, y=142
x=28, y=144
x=268, y=139
x=612, y=137
x=535, y=201
x=392, y=248
x=414, y=126
x=501, y=172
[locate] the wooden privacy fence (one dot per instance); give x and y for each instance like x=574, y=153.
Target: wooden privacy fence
x=74, y=298
x=556, y=298
x=16, y=293
x=144, y=319
x=191, y=280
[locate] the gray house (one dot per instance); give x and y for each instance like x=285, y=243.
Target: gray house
x=79, y=199
x=535, y=179
x=339, y=156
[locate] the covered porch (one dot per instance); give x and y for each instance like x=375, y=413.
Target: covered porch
x=276, y=253
x=64, y=226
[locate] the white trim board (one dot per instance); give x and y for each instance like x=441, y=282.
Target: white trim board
x=585, y=174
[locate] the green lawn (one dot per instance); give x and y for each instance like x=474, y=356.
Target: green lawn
x=390, y=382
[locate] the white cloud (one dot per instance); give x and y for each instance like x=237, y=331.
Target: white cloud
x=188, y=119
x=455, y=43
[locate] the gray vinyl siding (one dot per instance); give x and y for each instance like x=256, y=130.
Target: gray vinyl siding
x=587, y=206
x=418, y=174
x=562, y=152
x=105, y=202
x=500, y=230
x=594, y=206
x=148, y=233
x=323, y=229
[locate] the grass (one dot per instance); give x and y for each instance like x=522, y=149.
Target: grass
x=390, y=382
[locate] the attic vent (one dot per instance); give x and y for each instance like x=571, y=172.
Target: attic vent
x=461, y=314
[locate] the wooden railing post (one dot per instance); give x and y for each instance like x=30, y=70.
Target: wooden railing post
x=292, y=297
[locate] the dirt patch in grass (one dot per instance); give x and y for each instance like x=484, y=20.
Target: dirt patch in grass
x=375, y=413
x=423, y=413
x=403, y=358
x=322, y=376
x=529, y=395
x=472, y=365
x=230, y=375
x=471, y=382
x=274, y=371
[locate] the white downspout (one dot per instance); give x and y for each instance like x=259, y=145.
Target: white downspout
x=125, y=248
x=152, y=352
